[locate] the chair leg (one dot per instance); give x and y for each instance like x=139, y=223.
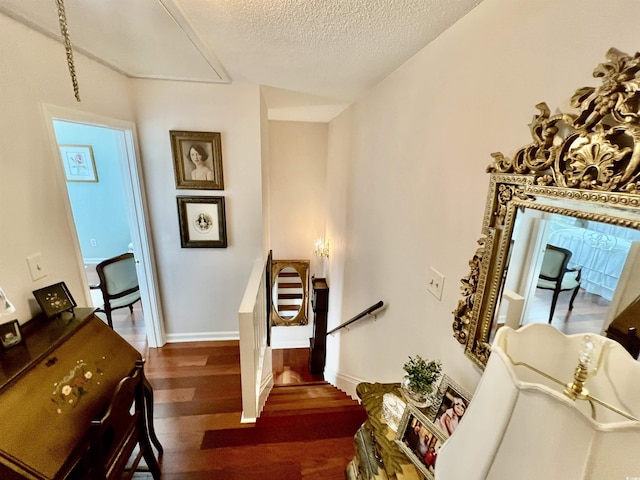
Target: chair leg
x=553, y=304
x=573, y=297
x=148, y=401
x=107, y=312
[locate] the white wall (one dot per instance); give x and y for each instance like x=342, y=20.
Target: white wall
x=32, y=196
x=201, y=288
x=297, y=191
x=417, y=146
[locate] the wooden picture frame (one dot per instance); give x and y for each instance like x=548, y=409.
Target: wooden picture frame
x=451, y=403
x=54, y=299
x=205, y=148
x=202, y=221
x=420, y=440
x=10, y=334
x=78, y=163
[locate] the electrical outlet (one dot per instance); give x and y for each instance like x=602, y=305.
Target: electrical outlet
x=36, y=267
x=93, y=242
x=435, y=283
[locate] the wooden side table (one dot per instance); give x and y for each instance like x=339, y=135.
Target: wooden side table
x=378, y=457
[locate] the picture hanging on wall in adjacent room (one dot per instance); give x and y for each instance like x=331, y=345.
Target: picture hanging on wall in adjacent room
x=78, y=162
x=197, y=160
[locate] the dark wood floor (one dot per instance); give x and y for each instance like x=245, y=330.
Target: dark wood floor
x=588, y=314
x=306, y=433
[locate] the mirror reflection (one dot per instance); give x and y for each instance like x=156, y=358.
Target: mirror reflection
x=289, y=292
x=562, y=221
x=578, y=261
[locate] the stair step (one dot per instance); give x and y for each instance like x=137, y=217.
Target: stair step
x=326, y=409
x=307, y=405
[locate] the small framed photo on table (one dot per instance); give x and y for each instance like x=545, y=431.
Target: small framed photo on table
x=10, y=334
x=54, y=299
x=420, y=440
x=451, y=405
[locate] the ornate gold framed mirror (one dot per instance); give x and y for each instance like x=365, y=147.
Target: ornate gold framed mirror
x=582, y=167
x=290, y=292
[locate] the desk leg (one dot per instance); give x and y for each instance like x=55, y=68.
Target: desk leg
x=148, y=400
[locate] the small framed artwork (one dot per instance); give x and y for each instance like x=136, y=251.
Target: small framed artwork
x=79, y=164
x=54, y=299
x=450, y=406
x=197, y=160
x=10, y=334
x=420, y=440
x=202, y=222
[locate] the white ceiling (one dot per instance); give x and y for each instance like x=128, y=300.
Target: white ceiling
x=311, y=52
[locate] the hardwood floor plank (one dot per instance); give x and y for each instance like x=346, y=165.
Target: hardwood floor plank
x=174, y=395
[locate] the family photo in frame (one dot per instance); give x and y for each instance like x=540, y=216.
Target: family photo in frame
x=202, y=222
x=197, y=160
x=451, y=405
x=420, y=440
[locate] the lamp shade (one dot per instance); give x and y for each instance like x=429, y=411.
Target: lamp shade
x=6, y=308
x=520, y=424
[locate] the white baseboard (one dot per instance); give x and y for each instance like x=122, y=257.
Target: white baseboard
x=202, y=336
x=344, y=382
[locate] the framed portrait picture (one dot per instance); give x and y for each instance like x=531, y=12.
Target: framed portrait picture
x=202, y=222
x=78, y=162
x=420, y=440
x=197, y=160
x=450, y=406
x=10, y=334
x=54, y=299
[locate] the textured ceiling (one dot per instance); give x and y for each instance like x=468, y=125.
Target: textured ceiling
x=333, y=50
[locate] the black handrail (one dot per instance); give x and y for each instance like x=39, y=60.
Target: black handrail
x=358, y=317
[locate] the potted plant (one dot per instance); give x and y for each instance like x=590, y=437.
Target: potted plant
x=420, y=379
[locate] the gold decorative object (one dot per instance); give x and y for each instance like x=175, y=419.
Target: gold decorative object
x=64, y=31
x=290, y=292
x=585, y=165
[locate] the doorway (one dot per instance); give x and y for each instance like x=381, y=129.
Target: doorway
x=112, y=190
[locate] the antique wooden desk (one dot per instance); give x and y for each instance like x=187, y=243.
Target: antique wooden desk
x=378, y=457
x=51, y=386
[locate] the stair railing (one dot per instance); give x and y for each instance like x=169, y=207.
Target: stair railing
x=255, y=355
x=365, y=313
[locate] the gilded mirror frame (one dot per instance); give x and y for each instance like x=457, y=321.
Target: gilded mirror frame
x=585, y=165
x=301, y=267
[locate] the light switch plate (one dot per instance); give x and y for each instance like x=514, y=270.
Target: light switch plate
x=36, y=267
x=435, y=283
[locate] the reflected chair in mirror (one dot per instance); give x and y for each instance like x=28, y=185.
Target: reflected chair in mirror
x=119, y=438
x=118, y=284
x=556, y=275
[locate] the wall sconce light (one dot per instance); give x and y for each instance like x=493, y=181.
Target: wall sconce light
x=321, y=247
x=6, y=307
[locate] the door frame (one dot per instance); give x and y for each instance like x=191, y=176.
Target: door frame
x=136, y=210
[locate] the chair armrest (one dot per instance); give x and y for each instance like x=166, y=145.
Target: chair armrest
x=577, y=268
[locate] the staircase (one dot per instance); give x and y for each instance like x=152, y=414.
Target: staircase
x=310, y=411
x=297, y=413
